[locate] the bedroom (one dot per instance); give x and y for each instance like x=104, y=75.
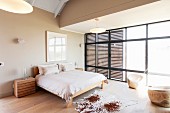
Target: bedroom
x=31, y=27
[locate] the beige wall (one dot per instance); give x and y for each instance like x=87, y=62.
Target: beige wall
x=31, y=28
x=81, y=10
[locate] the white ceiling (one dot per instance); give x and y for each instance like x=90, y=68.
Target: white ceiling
x=156, y=11
x=53, y=6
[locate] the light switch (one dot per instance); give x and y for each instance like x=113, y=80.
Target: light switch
x=1, y=64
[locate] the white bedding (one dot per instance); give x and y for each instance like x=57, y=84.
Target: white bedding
x=65, y=84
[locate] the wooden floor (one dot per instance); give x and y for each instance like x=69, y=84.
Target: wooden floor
x=44, y=102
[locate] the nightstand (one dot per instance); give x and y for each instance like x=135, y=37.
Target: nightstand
x=81, y=69
x=24, y=87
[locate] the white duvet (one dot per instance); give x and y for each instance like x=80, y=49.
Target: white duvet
x=65, y=84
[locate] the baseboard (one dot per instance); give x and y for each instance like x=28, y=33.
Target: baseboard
x=6, y=94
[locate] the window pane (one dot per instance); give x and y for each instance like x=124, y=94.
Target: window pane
x=58, y=55
x=159, y=29
x=117, y=34
x=117, y=75
x=58, y=41
x=91, y=69
x=136, y=32
x=63, y=53
x=117, y=55
x=51, y=41
x=136, y=55
x=103, y=71
x=91, y=55
x=91, y=38
x=102, y=55
x=158, y=80
x=63, y=41
x=102, y=37
x=159, y=56
x=56, y=46
x=51, y=53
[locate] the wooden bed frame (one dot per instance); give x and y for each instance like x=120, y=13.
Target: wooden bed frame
x=69, y=104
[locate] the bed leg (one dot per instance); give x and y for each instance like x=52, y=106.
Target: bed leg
x=70, y=103
x=102, y=85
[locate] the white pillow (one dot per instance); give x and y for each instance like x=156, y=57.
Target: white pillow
x=50, y=70
x=40, y=67
x=68, y=66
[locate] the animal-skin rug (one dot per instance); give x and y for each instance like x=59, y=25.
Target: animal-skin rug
x=100, y=102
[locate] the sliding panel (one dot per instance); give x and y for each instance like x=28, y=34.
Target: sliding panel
x=116, y=53
x=91, y=53
x=102, y=58
x=102, y=55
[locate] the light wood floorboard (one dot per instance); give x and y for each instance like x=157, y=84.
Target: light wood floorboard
x=45, y=102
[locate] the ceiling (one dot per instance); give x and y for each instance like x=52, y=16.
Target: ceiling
x=152, y=12
x=53, y=6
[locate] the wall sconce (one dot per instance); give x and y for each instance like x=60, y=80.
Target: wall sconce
x=1, y=64
x=81, y=44
x=20, y=41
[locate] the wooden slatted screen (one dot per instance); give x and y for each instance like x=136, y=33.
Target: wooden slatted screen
x=116, y=75
x=101, y=37
x=117, y=54
x=102, y=55
x=103, y=71
x=91, y=52
x=90, y=38
x=117, y=34
x=91, y=69
x=97, y=53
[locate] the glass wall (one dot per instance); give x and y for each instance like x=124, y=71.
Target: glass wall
x=142, y=49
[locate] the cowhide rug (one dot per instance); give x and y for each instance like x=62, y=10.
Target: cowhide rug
x=100, y=102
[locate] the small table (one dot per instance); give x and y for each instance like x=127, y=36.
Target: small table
x=23, y=87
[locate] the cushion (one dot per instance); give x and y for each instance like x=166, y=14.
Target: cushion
x=50, y=70
x=40, y=67
x=66, y=67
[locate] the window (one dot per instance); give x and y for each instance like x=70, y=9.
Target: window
x=56, y=46
x=143, y=49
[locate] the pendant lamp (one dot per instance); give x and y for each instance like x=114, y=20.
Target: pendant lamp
x=97, y=29
x=16, y=6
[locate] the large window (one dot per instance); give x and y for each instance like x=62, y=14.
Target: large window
x=56, y=46
x=142, y=49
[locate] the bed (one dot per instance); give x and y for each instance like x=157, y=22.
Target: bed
x=69, y=84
